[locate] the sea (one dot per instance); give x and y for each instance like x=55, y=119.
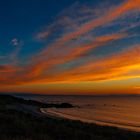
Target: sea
x=121, y=111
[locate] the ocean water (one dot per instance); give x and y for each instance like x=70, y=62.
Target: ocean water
x=118, y=111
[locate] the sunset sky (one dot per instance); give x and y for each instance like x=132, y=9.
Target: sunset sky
x=70, y=46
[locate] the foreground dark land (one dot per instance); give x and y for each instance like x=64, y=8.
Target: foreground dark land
x=21, y=120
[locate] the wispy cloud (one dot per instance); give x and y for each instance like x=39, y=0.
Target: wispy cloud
x=15, y=42
x=75, y=38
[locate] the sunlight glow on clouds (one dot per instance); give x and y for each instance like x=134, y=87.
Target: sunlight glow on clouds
x=71, y=43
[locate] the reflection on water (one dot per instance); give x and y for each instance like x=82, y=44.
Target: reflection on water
x=120, y=111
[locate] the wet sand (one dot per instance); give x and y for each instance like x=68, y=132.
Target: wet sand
x=68, y=114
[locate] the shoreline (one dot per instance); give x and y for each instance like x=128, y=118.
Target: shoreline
x=24, y=120
x=54, y=113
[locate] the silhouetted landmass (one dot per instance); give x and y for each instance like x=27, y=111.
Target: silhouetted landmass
x=16, y=124
x=15, y=100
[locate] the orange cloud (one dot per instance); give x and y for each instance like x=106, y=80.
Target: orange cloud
x=39, y=68
x=73, y=53
x=35, y=73
x=61, y=43
x=109, y=16
x=114, y=67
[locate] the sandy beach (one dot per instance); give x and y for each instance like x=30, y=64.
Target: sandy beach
x=63, y=114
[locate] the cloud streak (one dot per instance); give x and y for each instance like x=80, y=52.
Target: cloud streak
x=70, y=54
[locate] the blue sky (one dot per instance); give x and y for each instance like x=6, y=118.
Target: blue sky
x=46, y=43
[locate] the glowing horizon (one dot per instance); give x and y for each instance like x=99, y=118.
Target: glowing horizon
x=75, y=47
